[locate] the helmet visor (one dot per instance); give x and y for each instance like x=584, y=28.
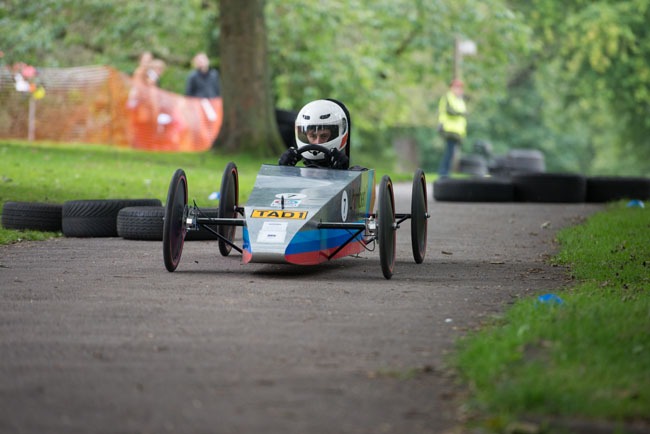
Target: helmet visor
x=316, y=134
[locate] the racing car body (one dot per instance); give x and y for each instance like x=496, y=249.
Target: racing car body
x=288, y=203
x=299, y=215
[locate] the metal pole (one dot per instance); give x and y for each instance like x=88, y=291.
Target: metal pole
x=457, y=58
x=31, y=126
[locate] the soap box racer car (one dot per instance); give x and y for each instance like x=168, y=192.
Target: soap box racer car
x=300, y=215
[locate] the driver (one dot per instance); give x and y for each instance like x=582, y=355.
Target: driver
x=325, y=123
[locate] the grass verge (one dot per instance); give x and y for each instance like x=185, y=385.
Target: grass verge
x=584, y=357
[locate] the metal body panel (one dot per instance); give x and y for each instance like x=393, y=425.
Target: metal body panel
x=287, y=204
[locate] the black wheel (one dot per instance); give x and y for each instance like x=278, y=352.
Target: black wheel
x=525, y=160
x=203, y=234
x=141, y=223
x=228, y=205
x=550, y=187
x=386, y=236
x=32, y=216
x=419, y=212
x=96, y=218
x=145, y=223
x=175, y=226
x=473, y=165
x=611, y=188
x=474, y=190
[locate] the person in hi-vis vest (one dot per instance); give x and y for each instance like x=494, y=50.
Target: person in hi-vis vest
x=452, y=124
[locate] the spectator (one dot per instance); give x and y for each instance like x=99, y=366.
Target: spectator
x=155, y=71
x=203, y=82
x=451, y=124
x=149, y=70
x=140, y=74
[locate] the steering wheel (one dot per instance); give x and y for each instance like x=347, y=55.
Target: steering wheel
x=312, y=148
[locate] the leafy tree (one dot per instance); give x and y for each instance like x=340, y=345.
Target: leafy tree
x=593, y=56
x=64, y=33
x=388, y=60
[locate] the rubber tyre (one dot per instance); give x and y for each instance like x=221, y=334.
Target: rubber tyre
x=203, y=234
x=550, y=187
x=473, y=190
x=174, y=225
x=419, y=216
x=498, y=167
x=525, y=160
x=141, y=223
x=386, y=236
x=473, y=165
x=96, y=218
x=32, y=216
x=228, y=205
x=611, y=188
x=146, y=223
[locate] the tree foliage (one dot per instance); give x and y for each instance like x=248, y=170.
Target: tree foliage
x=64, y=33
x=570, y=78
x=590, y=63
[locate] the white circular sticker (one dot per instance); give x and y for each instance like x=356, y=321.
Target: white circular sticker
x=344, y=206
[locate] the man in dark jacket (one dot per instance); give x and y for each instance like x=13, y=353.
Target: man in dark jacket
x=203, y=82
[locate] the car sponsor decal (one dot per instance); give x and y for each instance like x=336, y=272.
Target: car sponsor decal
x=279, y=214
x=272, y=232
x=288, y=203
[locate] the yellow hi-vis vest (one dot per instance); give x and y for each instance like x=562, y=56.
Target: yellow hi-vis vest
x=451, y=115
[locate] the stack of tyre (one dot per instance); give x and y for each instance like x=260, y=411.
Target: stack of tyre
x=520, y=176
x=135, y=219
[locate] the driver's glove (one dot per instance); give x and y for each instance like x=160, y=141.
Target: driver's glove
x=290, y=157
x=338, y=159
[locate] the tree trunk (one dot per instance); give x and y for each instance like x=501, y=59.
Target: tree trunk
x=249, y=123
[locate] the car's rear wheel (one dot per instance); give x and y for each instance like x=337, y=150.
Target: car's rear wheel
x=175, y=226
x=386, y=236
x=419, y=216
x=228, y=202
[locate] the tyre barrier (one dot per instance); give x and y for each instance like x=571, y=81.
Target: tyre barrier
x=146, y=223
x=517, y=161
x=96, y=218
x=549, y=187
x=612, y=188
x=473, y=164
x=35, y=216
x=473, y=190
x=525, y=160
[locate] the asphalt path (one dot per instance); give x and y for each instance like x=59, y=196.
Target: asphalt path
x=97, y=337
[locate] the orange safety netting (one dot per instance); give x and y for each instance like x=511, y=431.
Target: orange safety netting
x=98, y=104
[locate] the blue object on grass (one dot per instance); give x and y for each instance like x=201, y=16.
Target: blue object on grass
x=635, y=203
x=550, y=299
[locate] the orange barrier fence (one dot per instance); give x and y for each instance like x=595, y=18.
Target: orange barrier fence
x=98, y=104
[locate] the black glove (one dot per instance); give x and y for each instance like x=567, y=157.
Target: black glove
x=290, y=157
x=337, y=159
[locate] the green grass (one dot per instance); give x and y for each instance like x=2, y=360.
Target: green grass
x=55, y=173
x=588, y=357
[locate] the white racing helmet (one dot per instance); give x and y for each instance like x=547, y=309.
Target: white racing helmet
x=324, y=123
